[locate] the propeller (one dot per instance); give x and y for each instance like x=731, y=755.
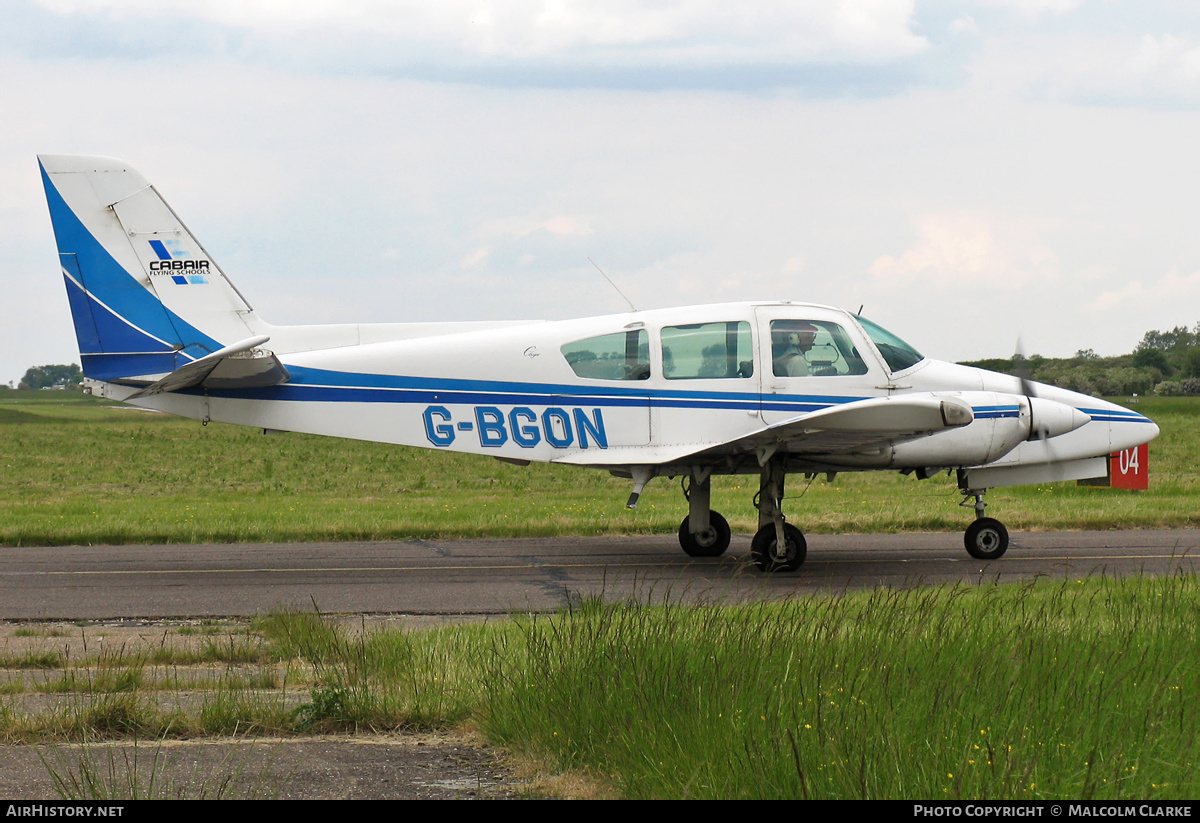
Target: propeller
x=1047, y=418
x=1029, y=389
x=1021, y=367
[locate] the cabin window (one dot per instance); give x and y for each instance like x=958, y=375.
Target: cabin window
x=621, y=356
x=804, y=348
x=708, y=350
x=896, y=353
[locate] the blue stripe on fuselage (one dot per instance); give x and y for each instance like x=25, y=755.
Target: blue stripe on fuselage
x=326, y=386
x=321, y=385
x=992, y=412
x=1116, y=416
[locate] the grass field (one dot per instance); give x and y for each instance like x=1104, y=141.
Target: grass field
x=76, y=470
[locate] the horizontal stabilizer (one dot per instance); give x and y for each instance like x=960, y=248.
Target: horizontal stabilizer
x=240, y=366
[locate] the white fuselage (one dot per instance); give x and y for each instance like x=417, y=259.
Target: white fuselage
x=700, y=377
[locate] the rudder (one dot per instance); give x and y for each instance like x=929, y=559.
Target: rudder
x=145, y=296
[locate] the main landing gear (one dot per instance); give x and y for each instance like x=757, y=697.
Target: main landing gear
x=704, y=532
x=779, y=546
x=776, y=547
x=986, y=538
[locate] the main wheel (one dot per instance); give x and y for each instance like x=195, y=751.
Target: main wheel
x=767, y=555
x=709, y=543
x=986, y=539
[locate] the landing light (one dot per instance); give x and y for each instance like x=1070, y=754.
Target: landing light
x=956, y=414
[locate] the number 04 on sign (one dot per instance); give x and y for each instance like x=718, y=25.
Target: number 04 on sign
x=1127, y=469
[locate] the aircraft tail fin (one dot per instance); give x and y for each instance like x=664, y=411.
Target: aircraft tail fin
x=146, y=298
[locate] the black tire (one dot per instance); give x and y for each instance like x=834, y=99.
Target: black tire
x=986, y=539
x=764, y=554
x=710, y=543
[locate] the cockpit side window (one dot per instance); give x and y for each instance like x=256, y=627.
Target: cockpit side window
x=800, y=348
x=621, y=356
x=708, y=351
x=896, y=353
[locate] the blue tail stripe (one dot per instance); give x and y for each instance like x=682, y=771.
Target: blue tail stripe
x=117, y=366
x=106, y=331
x=86, y=332
x=160, y=250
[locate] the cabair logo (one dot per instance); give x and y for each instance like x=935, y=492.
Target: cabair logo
x=559, y=428
x=175, y=260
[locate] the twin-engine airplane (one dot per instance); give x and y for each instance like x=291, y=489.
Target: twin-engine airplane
x=742, y=388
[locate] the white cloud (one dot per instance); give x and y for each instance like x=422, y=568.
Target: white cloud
x=969, y=249
x=1172, y=290
x=793, y=265
x=613, y=33
x=1146, y=69
x=1033, y=9
x=1169, y=59
x=477, y=256
x=562, y=225
x=964, y=25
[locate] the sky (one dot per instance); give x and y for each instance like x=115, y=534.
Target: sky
x=969, y=172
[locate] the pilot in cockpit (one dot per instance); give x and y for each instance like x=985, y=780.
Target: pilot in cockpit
x=789, y=342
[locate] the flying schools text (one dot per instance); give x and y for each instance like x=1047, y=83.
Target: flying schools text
x=178, y=265
x=559, y=428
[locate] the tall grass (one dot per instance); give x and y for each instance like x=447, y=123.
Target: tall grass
x=137, y=772
x=365, y=680
x=1078, y=689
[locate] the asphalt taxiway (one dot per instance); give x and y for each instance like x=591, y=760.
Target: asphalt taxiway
x=494, y=576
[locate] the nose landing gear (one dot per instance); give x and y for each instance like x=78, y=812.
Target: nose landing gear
x=986, y=538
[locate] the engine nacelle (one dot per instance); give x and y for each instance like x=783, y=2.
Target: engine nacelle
x=1049, y=418
x=1002, y=422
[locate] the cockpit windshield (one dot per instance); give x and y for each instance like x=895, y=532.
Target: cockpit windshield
x=898, y=354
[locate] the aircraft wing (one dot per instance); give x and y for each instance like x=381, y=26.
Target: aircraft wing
x=847, y=428
x=242, y=365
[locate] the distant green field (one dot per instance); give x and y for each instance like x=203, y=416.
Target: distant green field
x=77, y=470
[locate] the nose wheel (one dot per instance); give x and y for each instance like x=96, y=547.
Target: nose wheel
x=986, y=538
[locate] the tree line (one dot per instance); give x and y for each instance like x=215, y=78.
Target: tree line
x=1165, y=363
x=68, y=376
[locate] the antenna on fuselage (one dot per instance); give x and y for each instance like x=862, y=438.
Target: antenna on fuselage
x=614, y=285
